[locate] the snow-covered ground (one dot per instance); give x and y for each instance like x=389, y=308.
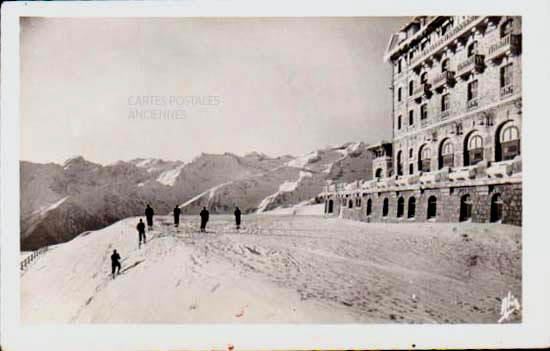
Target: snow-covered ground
x=278, y=269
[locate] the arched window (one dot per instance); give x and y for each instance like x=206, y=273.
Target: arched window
x=424, y=158
x=400, y=163
x=472, y=49
x=432, y=207
x=400, y=207
x=369, y=207
x=350, y=203
x=330, y=206
x=465, y=208
x=508, y=143
x=385, y=207
x=446, y=154
x=445, y=65
x=474, y=150
x=496, y=208
x=412, y=207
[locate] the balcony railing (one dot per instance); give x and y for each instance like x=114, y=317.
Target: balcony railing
x=443, y=79
x=456, y=31
x=507, y=90
x=508, y=45
x=472, y=104
x=474, y=63
x=421, y=91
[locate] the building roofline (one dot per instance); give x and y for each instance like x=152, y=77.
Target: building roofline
x=389, y=53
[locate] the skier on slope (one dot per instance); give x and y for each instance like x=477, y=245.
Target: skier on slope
x=204, y=219
x=115, y=263
x=237, y=217
x=141, y=231
x=177, y=212
x=149, y=214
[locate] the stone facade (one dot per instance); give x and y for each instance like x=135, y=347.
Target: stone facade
x=456, y=125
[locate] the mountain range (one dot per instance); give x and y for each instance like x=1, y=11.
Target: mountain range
x=61, y=201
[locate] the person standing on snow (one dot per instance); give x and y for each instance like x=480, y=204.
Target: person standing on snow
x=237, y=217
x=141, y=231
x=177, y=213
x=149, y=214
x=115, y=263
x=204, y=219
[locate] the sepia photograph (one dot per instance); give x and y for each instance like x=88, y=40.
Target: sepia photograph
x=236, y=170
x=280, y=171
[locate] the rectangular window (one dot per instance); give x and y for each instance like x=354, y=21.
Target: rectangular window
x=399, y=122
x=510, y=149
x=399, y=66
x=448, y=160
x=445, y=102
x=506, y=75
x=411, y=169
x=424, y=111
x=476, y=155
x=399, y=94
x=472, y=49
x=425, y=163
x=472, y=90
x=411, y=117
x=445, y=65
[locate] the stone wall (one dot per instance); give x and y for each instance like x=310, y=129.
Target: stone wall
x=448, y=203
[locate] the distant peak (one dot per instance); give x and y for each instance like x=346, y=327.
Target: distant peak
x=76, y=160
x=255, y=154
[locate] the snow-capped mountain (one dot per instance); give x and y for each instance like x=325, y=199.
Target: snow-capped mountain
x=58, y=202
x=296, y=181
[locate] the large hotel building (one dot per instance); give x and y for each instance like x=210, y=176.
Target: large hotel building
x=455, y=154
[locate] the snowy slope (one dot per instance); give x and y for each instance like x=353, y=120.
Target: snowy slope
x=304, y=269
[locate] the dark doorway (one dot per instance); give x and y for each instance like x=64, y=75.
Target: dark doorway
x=432, y=207
x=400, y=207
x=412, y=208
x=385, y=208
x=369, y=207
x=330, y=206
x=465, y=208
x=496, y=208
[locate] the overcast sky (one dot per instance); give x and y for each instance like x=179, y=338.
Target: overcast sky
x=117, y=89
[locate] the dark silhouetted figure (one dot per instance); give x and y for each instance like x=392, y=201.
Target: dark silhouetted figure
x=177, y=213
x=204, y=219
x=238, y=217
x=149, y=214
x=141, y=231
x=115, y=263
